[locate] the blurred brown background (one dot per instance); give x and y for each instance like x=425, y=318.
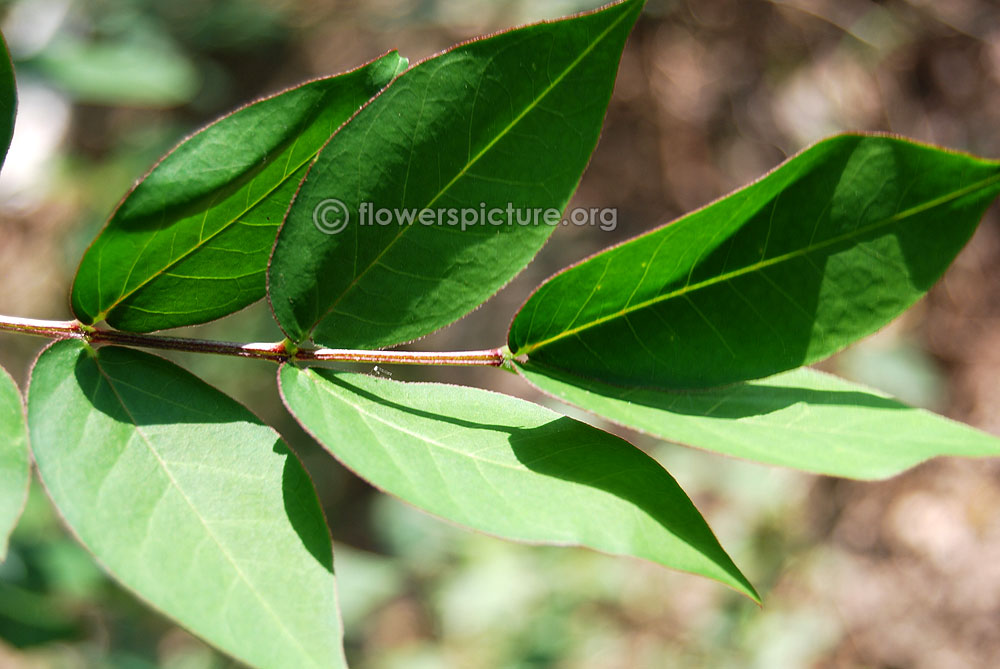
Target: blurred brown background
x=901, y=573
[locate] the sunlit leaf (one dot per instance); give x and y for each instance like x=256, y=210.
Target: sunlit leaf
x=824, y=250
x=802, y=419
x=188, y=500
x=191, y=242
x=496, y=125
x=507, y=467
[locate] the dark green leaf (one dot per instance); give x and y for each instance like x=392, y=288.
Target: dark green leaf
x=826, y=249
x=14, y=467
x=507, y=120
x=802, y=419
x=8, y=100
x=507, y=467
x=191, y=242
x=188, y=500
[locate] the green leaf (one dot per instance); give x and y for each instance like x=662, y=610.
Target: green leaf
x=507, y=467
x=190, y=243
x=188, y=500
x=509, y=120
x=824, y=250
x=15, y=473
x=139, y=71
x=802, y=419
x=8, y=100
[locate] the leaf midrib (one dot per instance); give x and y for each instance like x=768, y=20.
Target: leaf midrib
x=763, y=264
x=117, y=302
x=469, y=164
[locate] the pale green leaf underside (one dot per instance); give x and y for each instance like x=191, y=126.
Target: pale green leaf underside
x=506, y=121
x=192, y=241
x=14, y=465
x=822, y=251
x=189, y=501
x=803, y=419
x=507, y=467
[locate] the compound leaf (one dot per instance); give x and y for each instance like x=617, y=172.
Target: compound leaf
x=188, y=500
x=15, y=472
x=507, y=467
x=190, y=243
x=802, y=419
x=824, y=250
x=496, y=125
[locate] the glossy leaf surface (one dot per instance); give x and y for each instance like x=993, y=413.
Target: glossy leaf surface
x=188, y=500
x=14, y=466
x=190, y=243
x=8, y=100
x=507, y=122
x=507, y=467
x=824, y=250
x=802, y=419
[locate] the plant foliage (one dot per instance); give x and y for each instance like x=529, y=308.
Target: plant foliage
x=696, y=332
x=14, y=471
